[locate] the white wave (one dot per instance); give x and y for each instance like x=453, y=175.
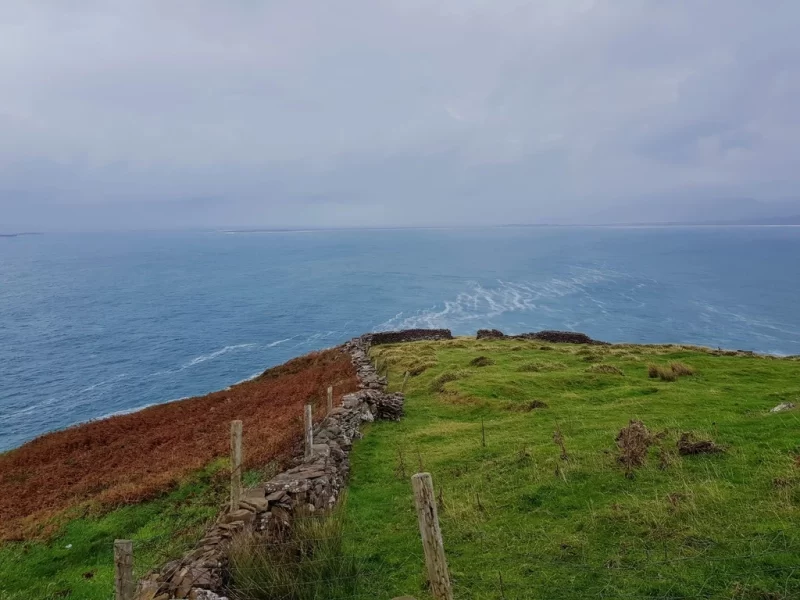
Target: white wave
x=481, y=304
x=273, y=344
x=216, y=354
x=101, y=383
x=253, y=376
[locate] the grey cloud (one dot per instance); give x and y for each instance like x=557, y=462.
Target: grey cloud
x=369, y=112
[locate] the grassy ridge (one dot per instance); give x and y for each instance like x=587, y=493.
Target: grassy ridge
x=706, y=526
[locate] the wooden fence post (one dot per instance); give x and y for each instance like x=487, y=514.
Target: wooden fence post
x=330, y=399
x=123, y=570
x=432, y=543
x=309, y=430
x=236, y=464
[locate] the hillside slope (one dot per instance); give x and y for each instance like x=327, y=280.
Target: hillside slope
x=157, y=476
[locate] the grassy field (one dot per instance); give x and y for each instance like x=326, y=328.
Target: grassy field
x=522, y=521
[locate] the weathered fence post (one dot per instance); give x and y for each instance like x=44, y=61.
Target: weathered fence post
x=123, y=570
x=236, y=464
x=309, y=429
x=405, y=381
x=432, y=543
x=330, y=399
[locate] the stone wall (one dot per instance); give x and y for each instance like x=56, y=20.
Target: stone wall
x=407, y=335
x=558, y=337
x=310, y=485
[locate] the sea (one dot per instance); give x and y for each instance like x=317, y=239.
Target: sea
x=93, y=325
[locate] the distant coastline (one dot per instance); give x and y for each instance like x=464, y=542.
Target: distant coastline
x=21, y=234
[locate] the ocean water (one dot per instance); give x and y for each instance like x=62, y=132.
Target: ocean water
x=93, y=325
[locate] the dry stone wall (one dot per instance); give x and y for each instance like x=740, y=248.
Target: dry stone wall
x=558, y=337
x=311, y=484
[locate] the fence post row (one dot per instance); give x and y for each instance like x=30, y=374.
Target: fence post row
x=435, y=560
x=309, y=430
x=236, y=464
x=330, y=399
x=123, y=570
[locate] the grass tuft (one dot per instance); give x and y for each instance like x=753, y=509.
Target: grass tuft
x=670, y=372
x=680, y=369
x=306, y=563
x=605, y=369
x=438, y=383
x=541, y=366
x=481, y=361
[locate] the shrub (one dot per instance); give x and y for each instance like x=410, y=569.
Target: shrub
x=605, y=369
x=304, y=563
x=481, y=361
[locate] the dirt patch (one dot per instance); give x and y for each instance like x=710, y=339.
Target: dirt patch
x=534, y=404
x=688, y=444
x=131, y=458
x=481, y=361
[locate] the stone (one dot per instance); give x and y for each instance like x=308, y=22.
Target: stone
x=782, y=407
x=245, y=516
x=256, y=504
x=201, y=594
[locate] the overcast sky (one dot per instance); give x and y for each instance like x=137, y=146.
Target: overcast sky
x=171, y=113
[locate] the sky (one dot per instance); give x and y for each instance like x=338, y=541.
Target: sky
x=193, y=113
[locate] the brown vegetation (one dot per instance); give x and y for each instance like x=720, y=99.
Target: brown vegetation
x=130, y=458
x=670, y=372
x=688, y=444
x=633, y=442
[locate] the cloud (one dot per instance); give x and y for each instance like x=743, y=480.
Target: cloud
x=366, y=112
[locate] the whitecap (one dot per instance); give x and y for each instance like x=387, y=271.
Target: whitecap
x=216, y=354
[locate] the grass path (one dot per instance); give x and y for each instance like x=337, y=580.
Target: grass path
x=722, y=525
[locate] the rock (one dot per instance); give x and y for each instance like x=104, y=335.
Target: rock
x=782, y=407
x=201, y=594
x=243, y=515
x=390, y=407
x=256, y=504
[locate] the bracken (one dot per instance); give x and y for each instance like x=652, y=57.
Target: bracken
x=130, y=458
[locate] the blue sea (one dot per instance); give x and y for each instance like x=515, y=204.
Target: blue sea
x=99, y=324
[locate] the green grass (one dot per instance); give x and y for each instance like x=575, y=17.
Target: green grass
x=305, y=563
x=708, y=526
x=77, y=563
